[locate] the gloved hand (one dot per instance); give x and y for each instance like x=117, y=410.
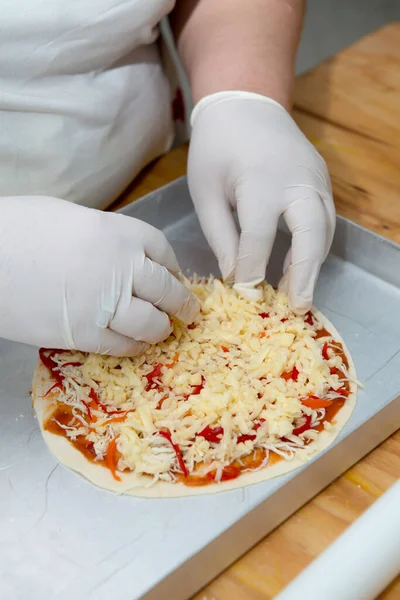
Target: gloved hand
x=247, y=153
x=76, y=278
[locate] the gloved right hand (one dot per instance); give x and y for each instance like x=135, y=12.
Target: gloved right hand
x=77, y=278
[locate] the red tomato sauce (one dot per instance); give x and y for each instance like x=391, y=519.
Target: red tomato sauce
x=63, y=416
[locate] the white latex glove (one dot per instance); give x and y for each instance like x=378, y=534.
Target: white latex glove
x=77, y=278
x=247, y=153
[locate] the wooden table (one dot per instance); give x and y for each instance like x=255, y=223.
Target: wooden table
x=349, y=107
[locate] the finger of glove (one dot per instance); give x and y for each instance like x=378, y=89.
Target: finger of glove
x=306, y=219
x=329, y=207
x=287, y=261
x=284, y=282
x=114, y=344
x=320, y=183
x=218, y=224
x=141, y=321
x=155, y=284
x=258, y=219
x=155, y=244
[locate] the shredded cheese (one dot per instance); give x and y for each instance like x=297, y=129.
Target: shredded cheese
x=228, y=384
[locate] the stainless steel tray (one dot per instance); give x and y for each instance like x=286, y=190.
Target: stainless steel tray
x=62, y=538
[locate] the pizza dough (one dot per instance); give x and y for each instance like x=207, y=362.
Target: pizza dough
x=142, y=485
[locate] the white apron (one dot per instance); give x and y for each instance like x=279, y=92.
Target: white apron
x=84, y=102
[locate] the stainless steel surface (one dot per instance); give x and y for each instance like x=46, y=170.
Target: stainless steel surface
x=62, y=538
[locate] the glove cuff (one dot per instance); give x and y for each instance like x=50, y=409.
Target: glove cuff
x=219, y=97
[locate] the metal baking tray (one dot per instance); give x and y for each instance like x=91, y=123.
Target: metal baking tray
x=62, y=538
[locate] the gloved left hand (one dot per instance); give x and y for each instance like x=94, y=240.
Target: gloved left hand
x=247, y=153
x=81, y=279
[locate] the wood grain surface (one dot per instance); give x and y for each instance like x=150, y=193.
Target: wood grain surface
x=349, y=107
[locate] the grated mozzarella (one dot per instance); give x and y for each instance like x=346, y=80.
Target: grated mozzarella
x=224, y=371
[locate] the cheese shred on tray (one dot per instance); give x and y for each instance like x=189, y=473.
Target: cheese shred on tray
x=246, y=385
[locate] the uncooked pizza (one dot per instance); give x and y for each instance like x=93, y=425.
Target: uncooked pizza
x=247, y=392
